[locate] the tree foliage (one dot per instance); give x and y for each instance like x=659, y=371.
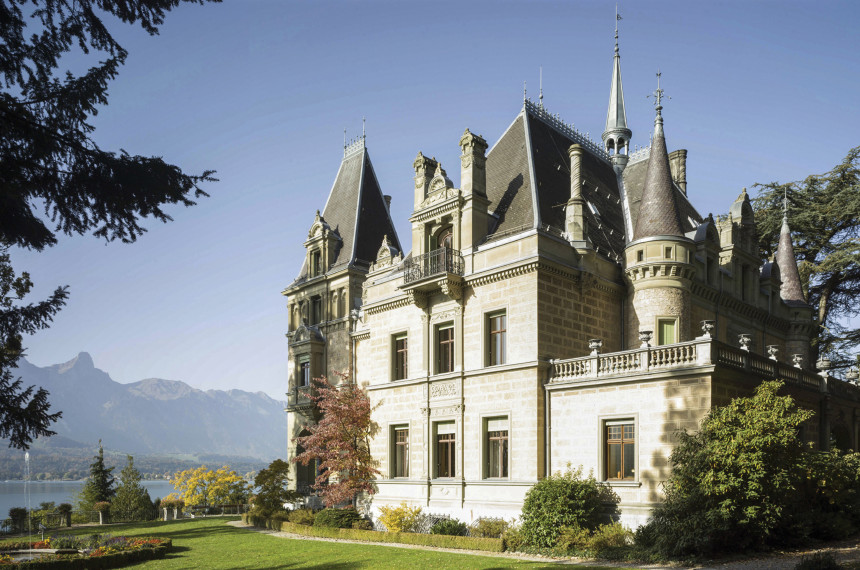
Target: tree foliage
x=203, y=486
x=736, y=482
x=100, y=484
x=53, y=175
x=24, y=412
x=340, y=442
x=132, y=499
x=271, y=486
x=824, y=216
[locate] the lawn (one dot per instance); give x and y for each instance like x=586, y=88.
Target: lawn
x=212, y=543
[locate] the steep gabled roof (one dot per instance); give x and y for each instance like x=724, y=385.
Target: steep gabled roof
x=357, y=212
x=528, y=181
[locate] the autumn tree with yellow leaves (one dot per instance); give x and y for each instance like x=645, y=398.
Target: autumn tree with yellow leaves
x=203, y=486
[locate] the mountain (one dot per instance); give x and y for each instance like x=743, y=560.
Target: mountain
x=156, y=416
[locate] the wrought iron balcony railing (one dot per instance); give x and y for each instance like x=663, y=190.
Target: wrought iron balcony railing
x=436, y=262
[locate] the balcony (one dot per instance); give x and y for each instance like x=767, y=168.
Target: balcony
x=440, y=261
x=692, y=354
x=300, y=397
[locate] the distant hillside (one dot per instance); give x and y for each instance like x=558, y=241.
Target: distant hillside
x=156, y=416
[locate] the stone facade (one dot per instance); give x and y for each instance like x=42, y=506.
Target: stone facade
x=527, y=330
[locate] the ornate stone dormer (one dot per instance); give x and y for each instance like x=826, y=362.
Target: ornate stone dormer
x=321, y=246
x=659, y=260
x=387, y=256
x=740, y=254
x=425, y=169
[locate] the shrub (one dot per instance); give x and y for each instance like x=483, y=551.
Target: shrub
x=736, y=482
x=101, y=506
x=488, y=528
x=336, y=518
x=280, y=516
x=302, y=516
x=402, y=518
x=573, y=538
x=562, y=500
x=451, y=527
x=64, y=508
x=513, y=538
x=819, y=561
x=362, y=524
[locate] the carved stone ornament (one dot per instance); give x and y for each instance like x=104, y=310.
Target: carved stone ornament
x=386, y=255
x=852, y=375
x=645, y=337
x=823, y=364
x=797, y=359
x=318, y=226
x=452, y=288
x=595, y=344
x=443, y=390
x=745, y=340
x=708, y=328
x=417, y=298
x=772, y=351
x=447, y=411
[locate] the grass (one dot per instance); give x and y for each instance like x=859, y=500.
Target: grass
x=212, y=543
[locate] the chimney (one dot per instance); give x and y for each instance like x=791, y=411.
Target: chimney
x=575, y=223
x=387, y=199
x=473, y=172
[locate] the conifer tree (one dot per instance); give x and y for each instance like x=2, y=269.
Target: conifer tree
x=824, y=216
x=132, y=499
x=49, y=162
x=100, y=484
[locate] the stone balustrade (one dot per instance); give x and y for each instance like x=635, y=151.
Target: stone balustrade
x=691, y=354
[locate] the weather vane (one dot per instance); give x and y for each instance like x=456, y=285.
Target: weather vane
x=658, y=94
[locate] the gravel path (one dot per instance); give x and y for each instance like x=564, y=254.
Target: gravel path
x=845, y=552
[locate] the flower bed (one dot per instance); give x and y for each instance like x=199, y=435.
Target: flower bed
x=96, y=551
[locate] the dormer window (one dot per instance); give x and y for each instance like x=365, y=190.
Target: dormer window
x=316, y=263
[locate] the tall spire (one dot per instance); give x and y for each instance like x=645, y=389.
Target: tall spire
x=616, y=135
x=658, y=212
x=790, y=290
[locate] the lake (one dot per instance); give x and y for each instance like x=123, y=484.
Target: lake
x=13, y=493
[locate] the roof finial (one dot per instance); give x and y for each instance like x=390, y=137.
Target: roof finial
x=363, y=127
x=658, y=95
x=525, y=96
x=344, y=139
x=785, y=204
x=541, y=86
x=617, y=17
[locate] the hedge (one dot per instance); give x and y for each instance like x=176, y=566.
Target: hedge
x=77, y=562
x=437, y=540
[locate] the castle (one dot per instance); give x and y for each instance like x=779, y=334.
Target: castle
x=566, y=305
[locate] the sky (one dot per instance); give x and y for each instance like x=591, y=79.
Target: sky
x=262, y=90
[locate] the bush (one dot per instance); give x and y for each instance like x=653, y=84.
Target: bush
x=280, y=516
x=336, y=518
x=302, y=517
x=102, y=506
x=513, y=538
x=488, y=528
x=64, y=508
x=739, y=481
x=562, y=500
x=362, y=524
x=402, y=518
x=451, y=527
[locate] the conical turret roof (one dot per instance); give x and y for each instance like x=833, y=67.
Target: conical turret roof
x=790, y=290
x=616, y=116
x=658, y=212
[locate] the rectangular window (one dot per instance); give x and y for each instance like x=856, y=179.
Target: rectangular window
x=316, y=310
x=640, y=255
x=445, y=349
x=446, y=440
x=305, y=373
x=666, y=331
x=496, y=445
x=497, y=339
x=401, y=452
x=401, y=346
x=668, y=253
x=620, y=457
x=316, y=268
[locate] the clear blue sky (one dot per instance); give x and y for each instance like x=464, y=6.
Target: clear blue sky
x=262, y=90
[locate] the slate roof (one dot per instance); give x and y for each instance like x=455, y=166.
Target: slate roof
x=528, y=184
x=634, y=184
x=357, y=212
x=790, y=289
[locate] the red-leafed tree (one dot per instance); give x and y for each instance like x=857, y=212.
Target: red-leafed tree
x=340, y=442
